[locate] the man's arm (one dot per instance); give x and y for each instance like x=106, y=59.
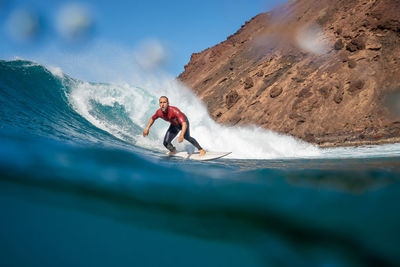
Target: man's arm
x=182, y=135
x=181, y=119
x=146, y=131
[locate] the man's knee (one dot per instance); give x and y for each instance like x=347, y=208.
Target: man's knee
x=166, y=143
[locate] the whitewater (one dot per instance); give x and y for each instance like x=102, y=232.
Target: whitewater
x=78, y=178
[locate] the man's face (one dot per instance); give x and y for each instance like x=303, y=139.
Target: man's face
x=163, y=104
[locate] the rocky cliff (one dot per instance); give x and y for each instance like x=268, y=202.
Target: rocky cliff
x=325, y=71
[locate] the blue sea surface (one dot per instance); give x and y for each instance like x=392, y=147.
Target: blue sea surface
x=73, y=193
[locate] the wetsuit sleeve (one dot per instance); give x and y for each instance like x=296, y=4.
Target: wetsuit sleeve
x=155, y=116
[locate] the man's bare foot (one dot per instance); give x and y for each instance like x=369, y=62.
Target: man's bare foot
x=173, y=152
x=202, y=152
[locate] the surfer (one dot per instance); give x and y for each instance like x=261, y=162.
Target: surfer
x=179, y=122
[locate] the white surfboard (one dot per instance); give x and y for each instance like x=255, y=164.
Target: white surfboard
x=196, y=155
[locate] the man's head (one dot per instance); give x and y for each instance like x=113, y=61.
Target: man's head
x=164, y=103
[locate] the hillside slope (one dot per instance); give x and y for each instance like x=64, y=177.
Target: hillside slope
x=324, y=71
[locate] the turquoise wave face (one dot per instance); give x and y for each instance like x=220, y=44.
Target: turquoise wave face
x=70, y=190
x=35, y=102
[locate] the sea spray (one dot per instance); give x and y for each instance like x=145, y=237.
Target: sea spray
x=139, y=104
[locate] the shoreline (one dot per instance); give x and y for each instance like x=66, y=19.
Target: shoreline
x=392, y=140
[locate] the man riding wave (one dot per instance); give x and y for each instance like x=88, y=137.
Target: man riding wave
x=179, y=122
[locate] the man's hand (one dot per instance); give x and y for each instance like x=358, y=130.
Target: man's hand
x=184, y=127
x=145, y=132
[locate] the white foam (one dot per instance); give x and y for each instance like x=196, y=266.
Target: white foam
x=245, y=142
x=29, y=63
x=56, y=71
x=248, y=142
x=17, y=58
x=387, y=150
x=135, y=101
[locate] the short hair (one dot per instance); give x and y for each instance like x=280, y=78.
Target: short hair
x=165, y=98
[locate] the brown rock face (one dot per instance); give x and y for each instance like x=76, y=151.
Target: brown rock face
x=231, y=98
x=276, y=92
x=322, y=71
x=339, y=44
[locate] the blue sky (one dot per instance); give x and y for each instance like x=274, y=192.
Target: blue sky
x=182, y=27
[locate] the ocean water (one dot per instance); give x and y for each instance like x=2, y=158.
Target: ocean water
x=80, y=186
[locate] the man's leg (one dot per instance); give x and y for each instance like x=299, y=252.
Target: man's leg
x=192, y=140
x=169, y=136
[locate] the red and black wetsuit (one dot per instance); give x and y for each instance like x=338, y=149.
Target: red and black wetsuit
x=176, y=118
